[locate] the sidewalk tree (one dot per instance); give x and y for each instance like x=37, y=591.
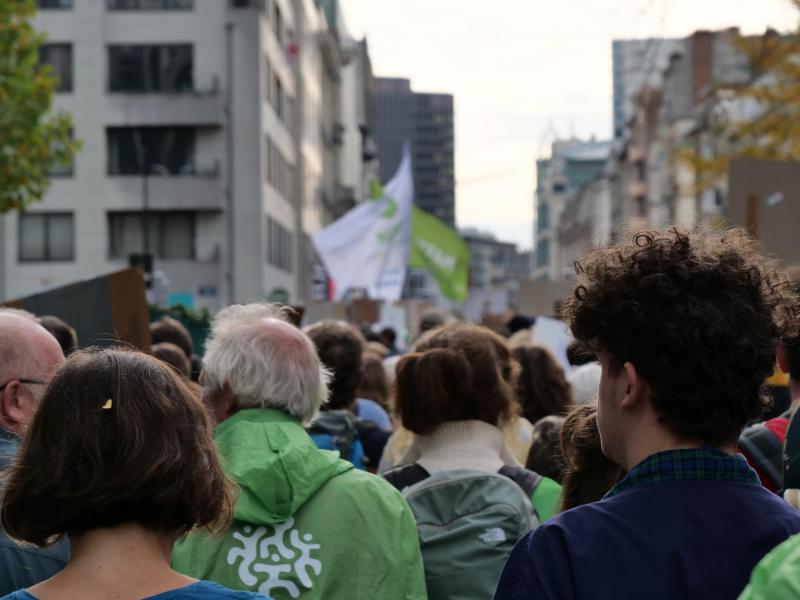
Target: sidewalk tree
x=33, y=139
x=756, y=118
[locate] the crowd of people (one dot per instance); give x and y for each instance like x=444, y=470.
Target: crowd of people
x=336, y=461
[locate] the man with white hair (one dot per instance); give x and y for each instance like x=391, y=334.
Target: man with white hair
x=307, y=524
x=29, y=356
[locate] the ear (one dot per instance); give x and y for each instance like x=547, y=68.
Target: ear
x=636, y=387
x=15, y=409
x=225, y=404
x=783, y=364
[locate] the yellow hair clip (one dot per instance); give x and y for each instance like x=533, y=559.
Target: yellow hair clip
x=108, y=404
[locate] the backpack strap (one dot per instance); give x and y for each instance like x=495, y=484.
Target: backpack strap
x=406, y=475
x=524, y=478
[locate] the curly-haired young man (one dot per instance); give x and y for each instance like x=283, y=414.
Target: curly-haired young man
x=685, y=326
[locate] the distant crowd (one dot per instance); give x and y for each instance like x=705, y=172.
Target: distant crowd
x=661, y=460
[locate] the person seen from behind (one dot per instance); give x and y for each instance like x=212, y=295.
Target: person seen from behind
x=307, y=524
x=544, y=456
x=542, y=388
x=588, y=473
x=29, y=357
x=763, y=443
x=459, y=476
x=65, y=335
x=120, y=458
x=170, y=330
x=685, y=325
x=356, y=427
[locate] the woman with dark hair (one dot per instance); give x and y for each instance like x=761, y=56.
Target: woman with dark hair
x=542, y=389
x=588, y=474
x=120, y=458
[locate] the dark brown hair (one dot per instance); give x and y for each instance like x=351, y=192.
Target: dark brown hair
x=170, y=354
x=339, y=348
x=65, y=335
x=588, y=474
x=167, y=329
x=542, y=388
x=699, y=315
x=544, y=456
x=374, y=384
x=456, y=374
x=118, y=438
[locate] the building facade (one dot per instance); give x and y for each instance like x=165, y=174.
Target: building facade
x=496, y=270
x=560, y=182
x=425, y=121
x=202, y=125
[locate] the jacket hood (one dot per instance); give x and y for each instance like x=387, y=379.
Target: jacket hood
x=275, y=462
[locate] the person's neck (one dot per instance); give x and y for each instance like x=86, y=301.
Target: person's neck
x=120, y=562
x=654, y=439
x=794, y=392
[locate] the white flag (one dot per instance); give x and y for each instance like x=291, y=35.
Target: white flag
x=368, y=247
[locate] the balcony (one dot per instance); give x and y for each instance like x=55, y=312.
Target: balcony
x=200, y=109
x=200, y=191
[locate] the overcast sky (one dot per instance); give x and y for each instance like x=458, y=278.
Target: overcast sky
x=523, y=69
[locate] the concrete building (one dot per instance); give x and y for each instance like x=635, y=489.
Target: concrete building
x=208, y=141
x=669, y=114
x=573, y=165
x=636, y=64
x=496, y=269
x=426, y=122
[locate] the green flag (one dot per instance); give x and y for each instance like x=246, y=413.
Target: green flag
x=441, y=251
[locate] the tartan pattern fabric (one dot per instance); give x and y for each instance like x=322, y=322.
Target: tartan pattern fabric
x=695, y=464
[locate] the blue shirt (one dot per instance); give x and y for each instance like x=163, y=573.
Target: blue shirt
x=369, y=410
x=24, y=566
x=195, y=591
x=682, y=524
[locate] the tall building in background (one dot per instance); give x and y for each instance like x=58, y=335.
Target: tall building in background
x=567, y=193
x=426, y=122
x=213, y=133
x=637, y=64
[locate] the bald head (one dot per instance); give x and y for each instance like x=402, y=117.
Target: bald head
x=29, y=356
x=257, y=359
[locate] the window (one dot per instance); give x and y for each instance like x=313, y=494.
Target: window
x=150, y=4
x=280, y=174
x=170, y=235
x=54, y=3
x=277, y=24
x=166, y=68
x=59, y=57
x=279, y=99
x=542, y=216
x=65, y=169
x=279, y=245
x=46, y=237
x=131, y=148
x=542, y=253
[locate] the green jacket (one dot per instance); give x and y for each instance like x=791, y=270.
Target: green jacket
x=777, y=576
x=307, y=524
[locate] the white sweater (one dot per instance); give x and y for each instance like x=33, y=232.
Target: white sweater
x=461, y=445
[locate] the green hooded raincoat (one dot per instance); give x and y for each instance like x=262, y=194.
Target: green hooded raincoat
x=307, y=524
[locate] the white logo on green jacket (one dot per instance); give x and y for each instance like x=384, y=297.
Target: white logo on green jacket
x=272, y=556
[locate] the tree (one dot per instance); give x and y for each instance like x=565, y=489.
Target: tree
x=33, y=140
x=756, y=118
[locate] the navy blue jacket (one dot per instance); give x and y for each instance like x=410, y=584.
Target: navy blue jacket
x=672, y=539
x=25, y=566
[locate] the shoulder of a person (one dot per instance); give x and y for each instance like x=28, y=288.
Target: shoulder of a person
x=362, y=486
x=209, y=589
